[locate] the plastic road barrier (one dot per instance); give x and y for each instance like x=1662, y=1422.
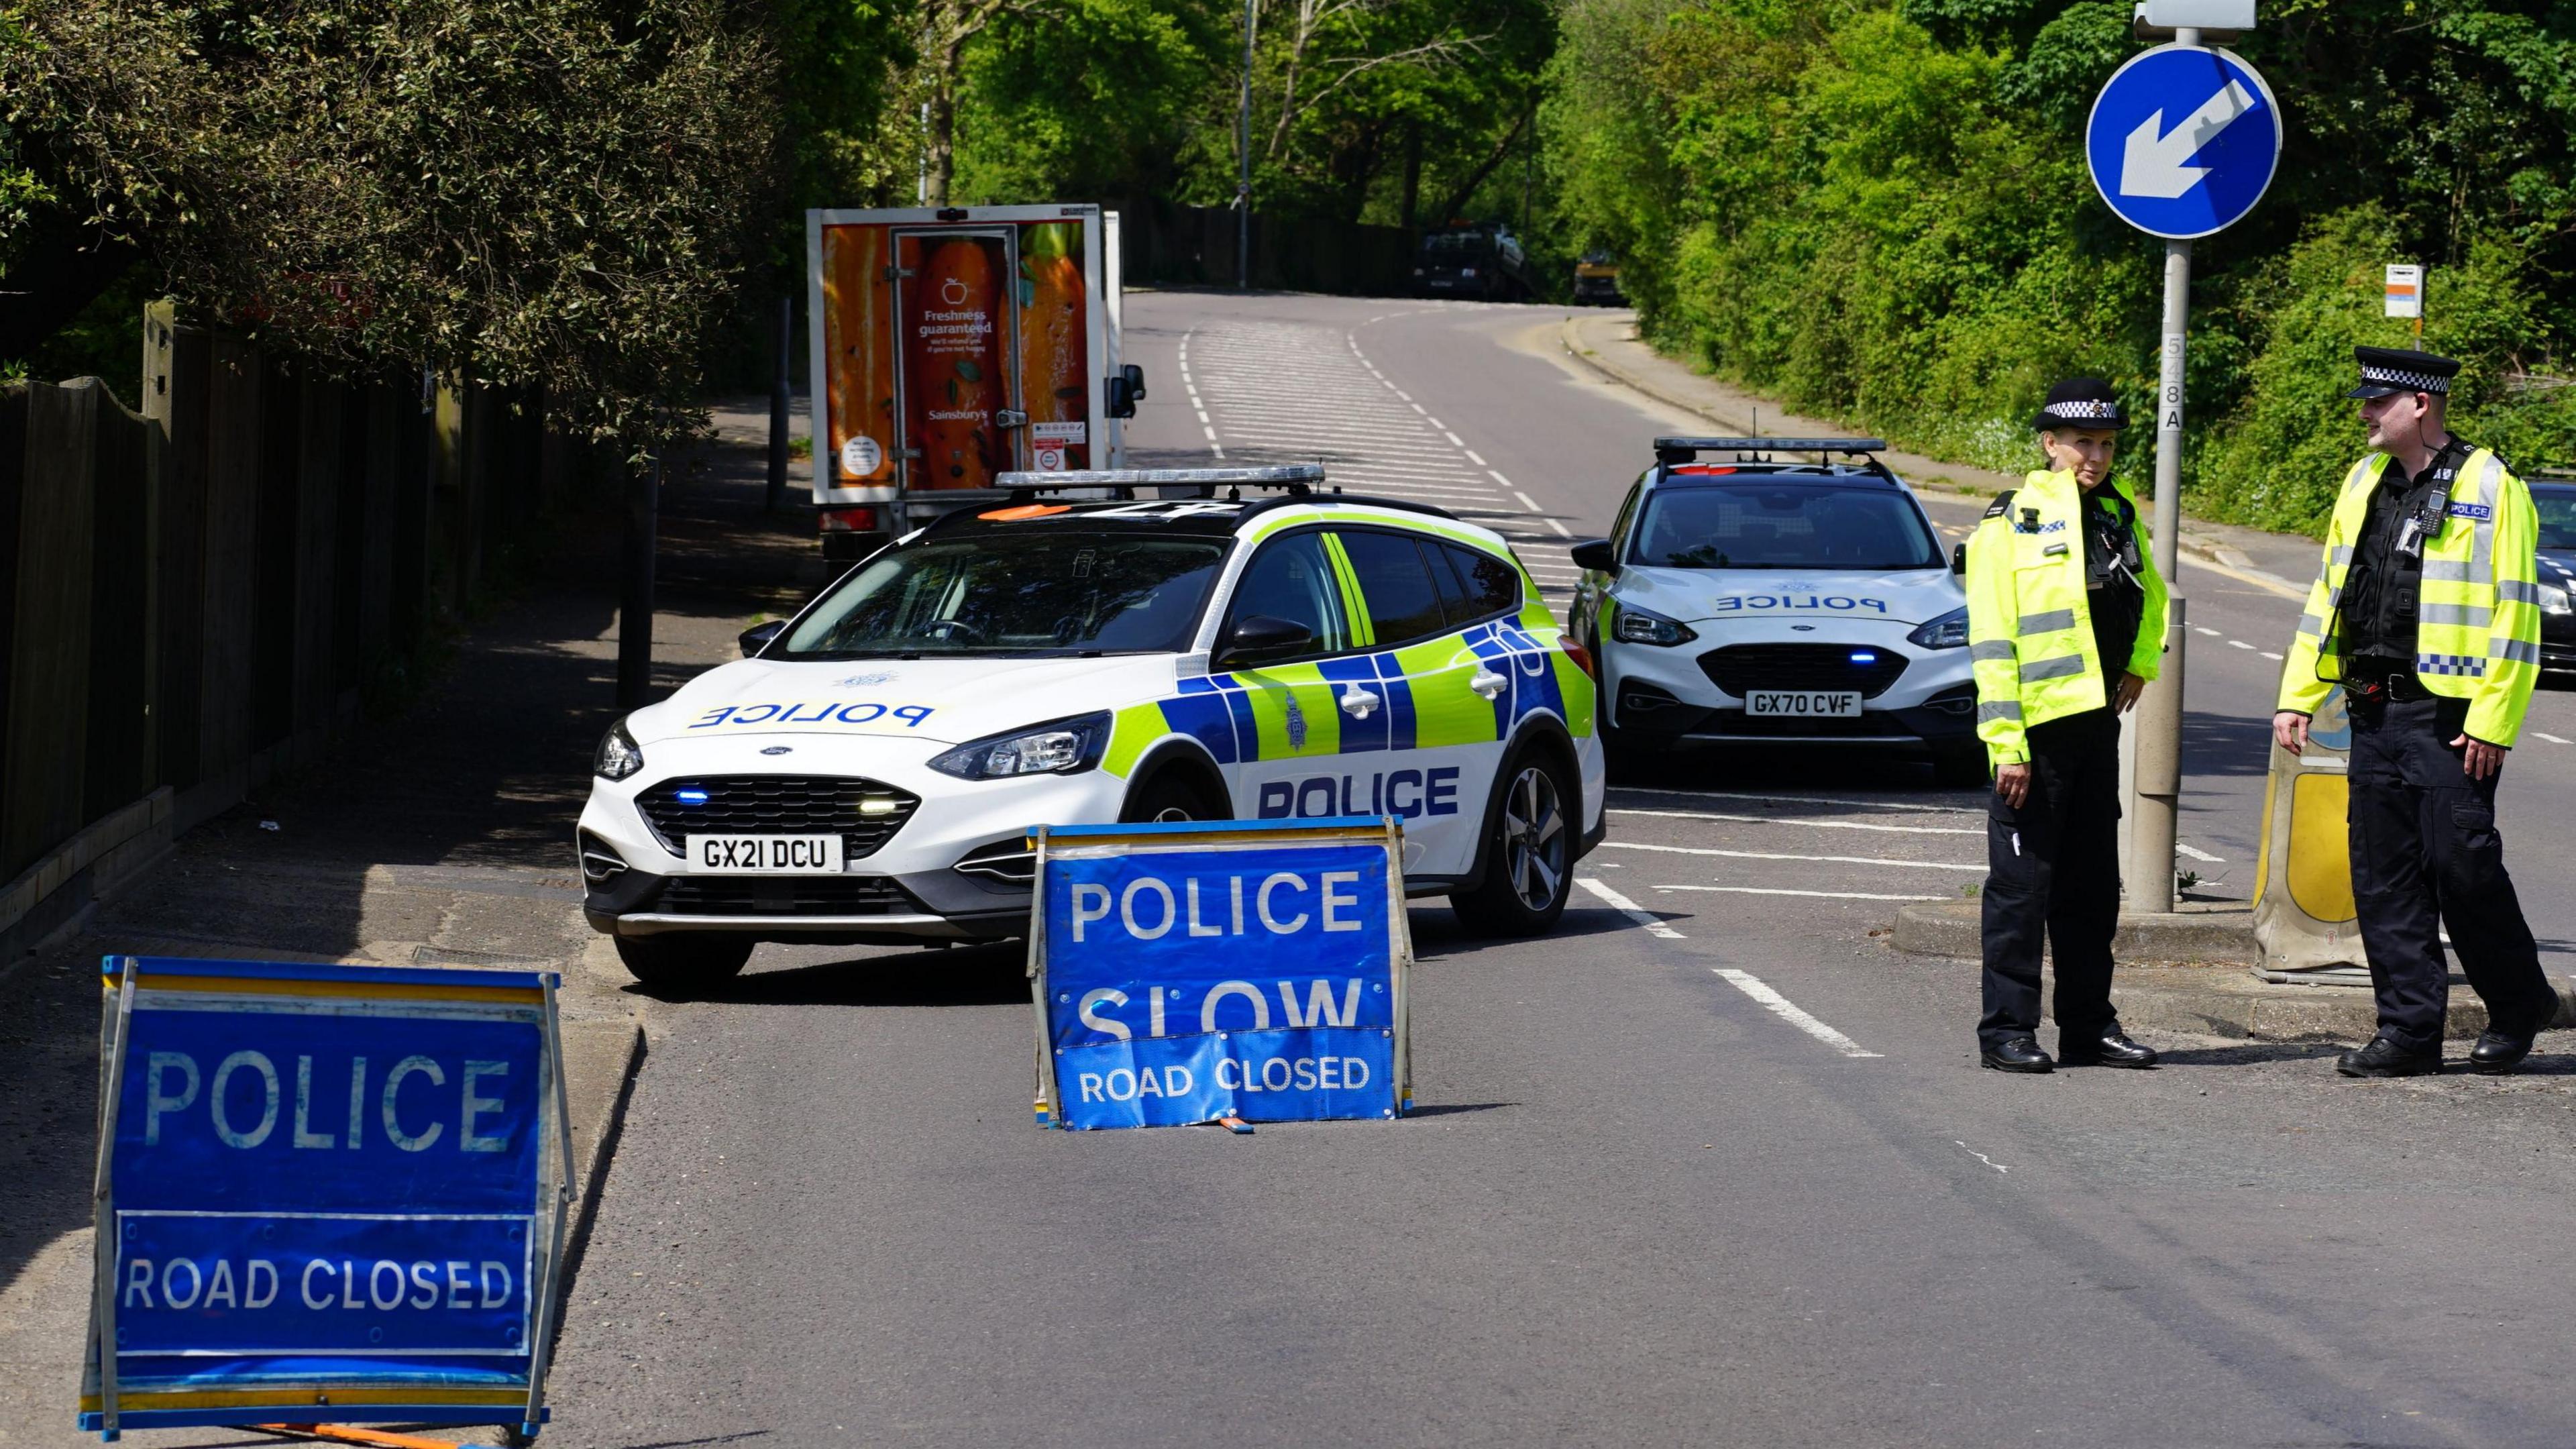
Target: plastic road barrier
x=325, y=1194
x=2303, y=911
x=1192, y=972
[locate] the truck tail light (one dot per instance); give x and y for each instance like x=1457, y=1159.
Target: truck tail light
x=849, y=520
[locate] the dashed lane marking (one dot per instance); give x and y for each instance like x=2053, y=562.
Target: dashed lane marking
x=2212, y=633
x=2238, y=644
x=2553, y=739
x=1787, y=1010
x=1774, y=891
x=1526, y=501
x=1979, y=867
x=2268, y=654
x=1792, y=820
x=1652, y=924
x=2196, y=853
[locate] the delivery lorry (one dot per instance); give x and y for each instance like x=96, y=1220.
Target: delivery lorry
x=951, y=345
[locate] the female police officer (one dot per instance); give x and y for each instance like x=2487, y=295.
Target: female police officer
x=2066, y=622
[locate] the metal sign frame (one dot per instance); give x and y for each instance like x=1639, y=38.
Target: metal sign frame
x=1220, y=837
x=111, y=1404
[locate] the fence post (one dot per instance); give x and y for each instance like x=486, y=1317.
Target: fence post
x=635, y=611
x=49, y=645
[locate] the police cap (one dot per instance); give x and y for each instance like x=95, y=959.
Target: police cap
x=2085, y=403
x=2387, y=371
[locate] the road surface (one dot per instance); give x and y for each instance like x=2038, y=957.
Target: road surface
x=1711, y=1165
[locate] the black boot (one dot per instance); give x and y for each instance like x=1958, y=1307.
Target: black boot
x=2496, y=1053
x=2385, y=1058
x=2018, y=1054
x=2111, y=1049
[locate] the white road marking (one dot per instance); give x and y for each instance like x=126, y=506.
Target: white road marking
x=2212, y=633
x=1474, y=457
x=2553, y=739
x=1980, y=866
x=1828, y=895
x=1981, y=1157
x=1526, y=501
x=1454, y=440
x=2238, y=644
x=1652, y=923
x=2268, y=654
x=2199, y=854
x=1435, y=422
x=1560, y=528
x=1801, y=800
x=1787, y=1010
x=1793, y=820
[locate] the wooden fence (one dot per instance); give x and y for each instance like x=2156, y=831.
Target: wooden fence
x=192, y=597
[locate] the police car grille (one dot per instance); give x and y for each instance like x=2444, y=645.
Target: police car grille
x=1741, y=668
x=786, y=895
x=776, y=805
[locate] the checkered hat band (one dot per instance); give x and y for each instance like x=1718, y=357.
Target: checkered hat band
x=2083, y=408
x=2410, y=381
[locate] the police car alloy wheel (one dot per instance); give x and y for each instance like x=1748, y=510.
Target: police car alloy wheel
x=1529, y=856
x=870, y=772
x=1762, y=598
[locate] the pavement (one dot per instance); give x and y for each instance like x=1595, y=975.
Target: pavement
x=441, y=837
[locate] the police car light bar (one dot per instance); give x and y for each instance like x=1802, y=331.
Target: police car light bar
x=1686, y=449
x=1291, y=475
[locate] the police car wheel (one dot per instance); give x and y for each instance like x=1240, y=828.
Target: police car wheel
x=1167, y=798
x=1529, y=852
x=684, y=960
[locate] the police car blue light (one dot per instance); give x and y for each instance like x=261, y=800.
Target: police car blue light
x=690, y=797
x=1790, y=591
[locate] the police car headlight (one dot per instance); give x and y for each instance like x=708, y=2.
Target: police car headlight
x=618, y=755
x=1061, y=747
x=1637, y=626
x=2553, y=599
x=1950, y=631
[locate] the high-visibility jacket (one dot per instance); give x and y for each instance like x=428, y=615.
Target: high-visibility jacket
x=2477, y=619
x=2030, y=624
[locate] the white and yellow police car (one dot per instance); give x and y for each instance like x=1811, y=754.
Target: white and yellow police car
x=1763, y=601
x=1257, y=648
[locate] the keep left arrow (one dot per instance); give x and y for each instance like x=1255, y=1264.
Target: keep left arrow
x=2152, y=162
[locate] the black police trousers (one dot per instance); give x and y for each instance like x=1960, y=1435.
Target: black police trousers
x=2053, y=866
x=2426, y=853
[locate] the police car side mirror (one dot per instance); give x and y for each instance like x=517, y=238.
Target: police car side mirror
x=757, y=637
x=1595, y=555
x=1263, y=634
x=1959, y=558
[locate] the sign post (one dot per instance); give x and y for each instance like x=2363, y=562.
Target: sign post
x=1200, y=971
x=325, y=1195
x=2406, y=295
x=2182, y=142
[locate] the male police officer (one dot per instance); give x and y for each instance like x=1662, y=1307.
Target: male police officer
x=2427, y=611
x=2066, y=623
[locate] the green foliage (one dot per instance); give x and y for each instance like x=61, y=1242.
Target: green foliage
x=1877, y=210
x=549, y=191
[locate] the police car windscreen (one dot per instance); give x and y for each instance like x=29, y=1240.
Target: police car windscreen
x=2557, y=507
x=1785, y=526
x=1057, y=594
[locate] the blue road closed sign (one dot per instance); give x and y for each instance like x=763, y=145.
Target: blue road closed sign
x=326, y=1194
x=1188, y=973
x=2183, y=141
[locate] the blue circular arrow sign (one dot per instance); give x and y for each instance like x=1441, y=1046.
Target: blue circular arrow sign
x=2183, y=141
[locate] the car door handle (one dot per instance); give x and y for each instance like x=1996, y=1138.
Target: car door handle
x=1359, y=703
x=1487, y=683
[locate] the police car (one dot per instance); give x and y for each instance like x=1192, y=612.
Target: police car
x=868, y=771
x=1752, y=599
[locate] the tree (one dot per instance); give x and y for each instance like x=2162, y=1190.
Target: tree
x=515, y=191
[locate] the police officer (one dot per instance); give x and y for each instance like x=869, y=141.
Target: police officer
x=2066, y=623
x=2427, y=612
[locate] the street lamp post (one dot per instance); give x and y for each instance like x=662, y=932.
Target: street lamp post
x=1243, y=159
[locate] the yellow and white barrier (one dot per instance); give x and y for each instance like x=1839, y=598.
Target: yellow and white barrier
x=2303, y=911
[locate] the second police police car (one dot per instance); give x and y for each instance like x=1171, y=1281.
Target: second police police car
x=1747, y=600
x=868, y=772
